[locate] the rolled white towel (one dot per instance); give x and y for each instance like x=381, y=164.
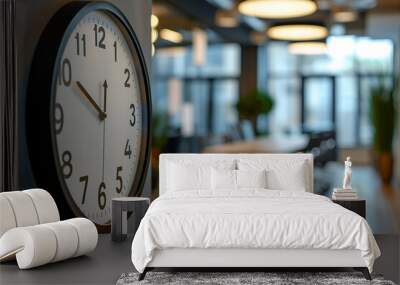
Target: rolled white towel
x=7, y=218
x=45, y=205
x=87, y=235
x=67, y=240
x=23, y=208
x=26, y=208
x=33, y=246
x=37, y=245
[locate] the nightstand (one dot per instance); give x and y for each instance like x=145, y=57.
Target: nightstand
x=122, y=208
x=357, y=206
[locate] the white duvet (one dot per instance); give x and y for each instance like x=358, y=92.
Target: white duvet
x=250, y=219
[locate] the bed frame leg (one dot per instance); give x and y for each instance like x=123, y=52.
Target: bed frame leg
x=364, y=271
x=143, y=274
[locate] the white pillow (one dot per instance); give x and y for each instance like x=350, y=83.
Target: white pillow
x=223, y=179
x=226, y=179
x=251, y=178
x=293, y=179
x=282, y=174
x=181, y=177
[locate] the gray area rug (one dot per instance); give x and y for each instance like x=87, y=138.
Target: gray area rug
x=229, y=278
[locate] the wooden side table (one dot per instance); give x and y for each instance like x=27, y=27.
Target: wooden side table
x=357, y=206
x=121, y=209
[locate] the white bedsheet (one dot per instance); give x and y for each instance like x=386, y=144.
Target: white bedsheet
x=250, y=218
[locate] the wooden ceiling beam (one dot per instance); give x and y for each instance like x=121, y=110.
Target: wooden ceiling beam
x=203, y=14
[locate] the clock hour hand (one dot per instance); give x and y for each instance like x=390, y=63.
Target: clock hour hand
x=102, y=114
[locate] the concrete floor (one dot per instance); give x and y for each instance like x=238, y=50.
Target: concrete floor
x=106, y=264
x=388, y=264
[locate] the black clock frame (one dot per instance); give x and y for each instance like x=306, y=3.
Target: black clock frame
x=42, y=148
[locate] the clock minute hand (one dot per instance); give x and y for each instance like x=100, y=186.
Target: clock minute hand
x=105, y=86
x=102, y=114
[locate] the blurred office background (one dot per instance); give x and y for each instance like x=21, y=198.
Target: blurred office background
x=284, y=76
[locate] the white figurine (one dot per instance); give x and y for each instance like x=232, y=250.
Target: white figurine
x=347, y=174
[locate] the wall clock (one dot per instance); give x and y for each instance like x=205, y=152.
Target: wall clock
x=88, y=110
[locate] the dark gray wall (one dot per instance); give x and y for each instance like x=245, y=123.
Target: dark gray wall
x=8, y=104
x=31, y=18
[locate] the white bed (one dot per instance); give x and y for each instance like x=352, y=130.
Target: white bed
x=207, y=226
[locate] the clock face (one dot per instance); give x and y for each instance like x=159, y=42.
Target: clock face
x=97, y=115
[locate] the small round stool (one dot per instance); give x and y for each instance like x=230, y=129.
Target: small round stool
x=123, y=208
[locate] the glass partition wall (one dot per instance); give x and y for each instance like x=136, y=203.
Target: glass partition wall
x=330, y=91
x=199, y=100
x=311, y=93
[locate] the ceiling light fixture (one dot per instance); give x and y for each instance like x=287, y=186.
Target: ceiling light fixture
x=297, y=32
x=345, y=16
x=154, y=21
x=154, y=35
x=277, y=9
x=308, y=48
x=171, y=36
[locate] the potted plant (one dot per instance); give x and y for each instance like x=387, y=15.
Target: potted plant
x=383, y=120
x=253, y=104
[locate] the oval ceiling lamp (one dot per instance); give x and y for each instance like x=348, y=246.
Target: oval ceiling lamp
x=297, y=32
x=154, y=21
x=308, y=48
x=154, y=35
x=171, y=36
x=277, y=9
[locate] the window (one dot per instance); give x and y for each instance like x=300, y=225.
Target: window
x=353, y=63
x=285, y=117
x=346, y=110
x=211, y=88
x=226, y=95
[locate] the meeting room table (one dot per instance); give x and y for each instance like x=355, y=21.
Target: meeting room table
x=265, y=144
